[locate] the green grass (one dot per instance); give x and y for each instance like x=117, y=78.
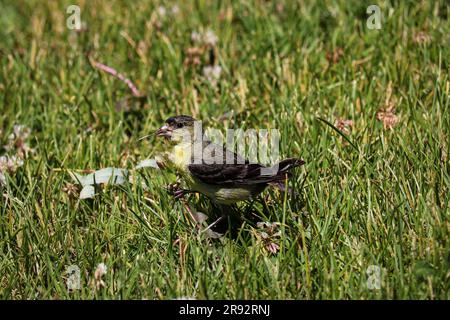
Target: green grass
x=371, y=195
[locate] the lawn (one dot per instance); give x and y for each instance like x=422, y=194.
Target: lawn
x=367, y=109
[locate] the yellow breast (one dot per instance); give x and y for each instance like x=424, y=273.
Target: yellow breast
x=181, y=155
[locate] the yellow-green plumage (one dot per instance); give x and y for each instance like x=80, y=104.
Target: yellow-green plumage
x=181, y=157
x=224, y=183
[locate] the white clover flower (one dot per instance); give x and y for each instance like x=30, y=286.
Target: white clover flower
x=196, y=37
x=2, y=179
x=16, y=140
x=212, y=73
x=10, y=164
x=101, y=270
x=175, y=9
x=207, y=38
x=162, y=11
x=21, y=131
x=210, y=38
x=3, y=163
x=16, y=144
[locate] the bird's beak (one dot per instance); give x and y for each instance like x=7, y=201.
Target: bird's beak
x=164, y=131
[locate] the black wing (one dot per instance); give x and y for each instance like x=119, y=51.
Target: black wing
x=215, y=169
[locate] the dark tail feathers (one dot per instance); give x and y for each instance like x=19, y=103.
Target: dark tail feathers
x=281, y=169
x=288, y=164
x=283, y=172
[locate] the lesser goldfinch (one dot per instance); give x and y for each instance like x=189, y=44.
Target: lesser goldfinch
x=222, y=175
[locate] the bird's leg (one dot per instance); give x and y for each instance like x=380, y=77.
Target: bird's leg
x=179, y=193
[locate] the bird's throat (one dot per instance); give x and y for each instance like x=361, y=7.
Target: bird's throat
x=181, y=155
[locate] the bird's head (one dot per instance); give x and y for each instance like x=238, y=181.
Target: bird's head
x=177, y=128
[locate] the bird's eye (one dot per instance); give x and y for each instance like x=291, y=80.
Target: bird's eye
x=179, y=125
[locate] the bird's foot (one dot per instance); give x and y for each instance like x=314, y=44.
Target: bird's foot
x=180, y=193
x=177, y=192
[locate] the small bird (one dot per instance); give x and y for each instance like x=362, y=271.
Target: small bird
x=207, y=169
